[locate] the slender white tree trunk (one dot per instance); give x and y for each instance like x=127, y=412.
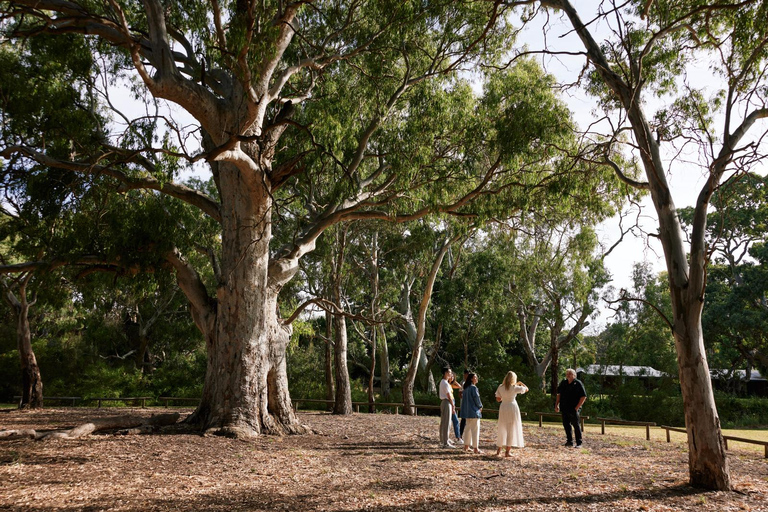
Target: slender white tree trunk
x=708, y=465
x=343, y=397
x=330, y=387
x=384, y=362
x=31, y=379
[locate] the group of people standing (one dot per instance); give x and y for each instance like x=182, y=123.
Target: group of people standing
x=509, y=432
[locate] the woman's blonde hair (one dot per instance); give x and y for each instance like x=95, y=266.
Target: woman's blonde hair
x=510, y=379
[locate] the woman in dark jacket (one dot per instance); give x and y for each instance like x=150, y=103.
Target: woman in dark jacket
x=471, y=410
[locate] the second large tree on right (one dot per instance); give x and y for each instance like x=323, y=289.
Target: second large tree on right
x=648, y=48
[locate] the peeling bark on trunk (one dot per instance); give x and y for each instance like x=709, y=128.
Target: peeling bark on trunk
x=706, y=454
x=246, y=385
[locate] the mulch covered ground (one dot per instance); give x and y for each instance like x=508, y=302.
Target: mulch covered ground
x=376, y=462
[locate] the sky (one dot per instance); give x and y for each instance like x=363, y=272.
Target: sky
x=685, y=180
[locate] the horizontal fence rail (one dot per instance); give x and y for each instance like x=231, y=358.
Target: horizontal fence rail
x=726, y=438
x=167, y=399
x=559, y=415
x=617, y=421
x=142, y=399
x=73, y=399
x=389, y=405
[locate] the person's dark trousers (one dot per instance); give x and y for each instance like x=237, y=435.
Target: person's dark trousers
x=571, y=419
x=462, y=424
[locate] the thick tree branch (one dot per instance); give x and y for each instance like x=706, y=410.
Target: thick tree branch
x=203, y=306
x=626, y=298
x=642, y=185
x=167, y=82
x=186, y=194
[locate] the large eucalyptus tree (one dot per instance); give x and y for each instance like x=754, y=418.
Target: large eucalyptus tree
x=652, y=48
x=308, y=113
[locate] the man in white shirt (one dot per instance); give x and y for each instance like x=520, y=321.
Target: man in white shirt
x=447, y=407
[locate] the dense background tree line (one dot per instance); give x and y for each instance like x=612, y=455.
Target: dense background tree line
x=492, y=309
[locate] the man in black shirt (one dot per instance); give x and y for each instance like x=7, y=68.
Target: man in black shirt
x=570, y=397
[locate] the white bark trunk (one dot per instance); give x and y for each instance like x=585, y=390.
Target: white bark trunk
x=384, y=362
x=31, y=379
x=330, y=387
x=343, y=403
x=343, y=397
x=708, y=465
x=421, y=320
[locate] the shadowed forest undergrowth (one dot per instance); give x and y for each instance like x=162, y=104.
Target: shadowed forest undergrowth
x=361, y=462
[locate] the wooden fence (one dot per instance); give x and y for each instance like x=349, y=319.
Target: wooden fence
x=726, y=438
x=386, y=405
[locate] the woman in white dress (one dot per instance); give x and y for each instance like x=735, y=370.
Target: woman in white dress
x=510, y=427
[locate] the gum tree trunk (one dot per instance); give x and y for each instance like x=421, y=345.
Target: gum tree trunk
x=330, y=387
x=708, y=465
x=383, y=361
x=555, y=369
x=411, y=332
x=31, y=380
x=246, y=386
x=421, y=320
x=343, y=396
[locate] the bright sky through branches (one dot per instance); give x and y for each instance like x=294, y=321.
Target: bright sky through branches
x=689, y=170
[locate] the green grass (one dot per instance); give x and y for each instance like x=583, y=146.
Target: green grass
x=659, y=434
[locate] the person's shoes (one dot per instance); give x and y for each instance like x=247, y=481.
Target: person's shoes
x=568, y=443
x=459, y=440
x=449, y=444
x=578, y=445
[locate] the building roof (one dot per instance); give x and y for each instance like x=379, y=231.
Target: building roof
x=615, y=370
x=735, y=374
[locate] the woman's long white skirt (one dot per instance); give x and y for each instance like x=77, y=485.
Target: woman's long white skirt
x=510, y=427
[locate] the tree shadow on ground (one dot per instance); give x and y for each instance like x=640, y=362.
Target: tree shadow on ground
x=261, y=501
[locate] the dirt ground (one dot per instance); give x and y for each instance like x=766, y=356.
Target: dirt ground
x=380, y=462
